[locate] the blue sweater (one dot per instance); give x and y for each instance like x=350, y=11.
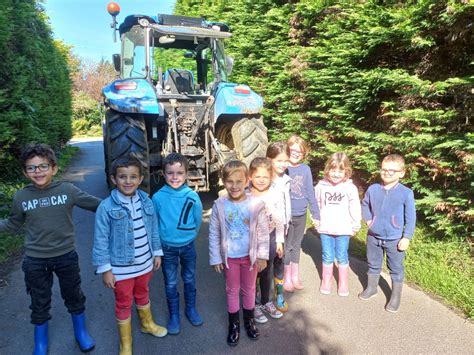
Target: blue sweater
x=302, y=191
x=392, y=212
x=179, y=215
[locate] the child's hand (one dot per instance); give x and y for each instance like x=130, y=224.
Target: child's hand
x=279, y=250
x=316, y=223
x=218, y=268
x=109, y=279
x=157, y=263
x=369, y=222
x=403, y=244
x=261, y=264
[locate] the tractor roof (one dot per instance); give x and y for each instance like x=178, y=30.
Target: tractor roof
x=182, y=26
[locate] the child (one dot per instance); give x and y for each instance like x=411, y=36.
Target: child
x=339, y=205
x=301, y=194
x=277, y=153
x=179, y=212
x=238, y=239
x=44, y=208
x=389, y=210
x=260, y=171
x=127, y=248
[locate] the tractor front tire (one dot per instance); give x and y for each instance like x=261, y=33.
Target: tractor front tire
x=249, y=137
x=125, y=134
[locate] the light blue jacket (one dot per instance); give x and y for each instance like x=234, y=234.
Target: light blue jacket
x=113, y=235
x=392, y=212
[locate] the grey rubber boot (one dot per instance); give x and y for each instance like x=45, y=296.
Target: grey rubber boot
x=371, y=290
x=394, y=303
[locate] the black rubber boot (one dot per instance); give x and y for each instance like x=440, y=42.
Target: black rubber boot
x=234, y=329
x=250, y=325
x=394, y=304
x=371, y=290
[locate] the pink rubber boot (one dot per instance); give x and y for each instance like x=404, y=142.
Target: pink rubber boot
x=326, y=282
x=295, y=276
x=287, y=283
x=343, y=282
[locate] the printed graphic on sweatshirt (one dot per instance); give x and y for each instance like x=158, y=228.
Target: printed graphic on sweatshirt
x=44, y=202
x=296, y=187
x=184, y=216
x=237, y=224
x=333, y=198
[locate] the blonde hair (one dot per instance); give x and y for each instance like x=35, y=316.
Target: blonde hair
x=295, y=139
x=395, y=158
x=232, y=167
x=338, y=161
x=260, y=163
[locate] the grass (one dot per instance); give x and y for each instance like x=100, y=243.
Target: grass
x=443, y=267
x=12, y=244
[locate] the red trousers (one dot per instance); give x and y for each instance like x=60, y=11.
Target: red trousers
x=127, y=290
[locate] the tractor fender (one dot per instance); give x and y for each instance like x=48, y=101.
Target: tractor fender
x=236, y=99
x=132, y=96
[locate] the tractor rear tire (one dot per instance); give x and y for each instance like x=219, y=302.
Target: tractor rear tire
x=249, y=138
x=125, y=134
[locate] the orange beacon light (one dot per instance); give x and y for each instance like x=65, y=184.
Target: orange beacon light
x=113, y=8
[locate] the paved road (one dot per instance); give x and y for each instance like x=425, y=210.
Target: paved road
x=315, y=324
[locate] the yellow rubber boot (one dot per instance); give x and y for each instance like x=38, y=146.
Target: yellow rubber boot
x=125, y=332
x=148, y=325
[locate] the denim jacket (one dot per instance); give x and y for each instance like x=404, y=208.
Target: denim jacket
x=113, y=235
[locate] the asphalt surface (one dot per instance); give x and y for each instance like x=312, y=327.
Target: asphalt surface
x=315, y=324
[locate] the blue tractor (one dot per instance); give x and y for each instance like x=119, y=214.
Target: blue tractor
x=173, y=95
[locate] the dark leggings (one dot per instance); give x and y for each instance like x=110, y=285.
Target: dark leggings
x=294, y=239
x=274, y=268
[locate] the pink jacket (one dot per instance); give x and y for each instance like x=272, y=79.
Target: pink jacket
x=259, y=236
x=340, y=208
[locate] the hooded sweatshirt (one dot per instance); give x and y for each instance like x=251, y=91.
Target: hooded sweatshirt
x=46, y=215
x=179, y=215
x=339, y=206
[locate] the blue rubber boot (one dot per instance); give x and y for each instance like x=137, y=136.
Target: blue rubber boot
x=85, y=341
x=41, y=339
x=190, y=310
x=174, y=326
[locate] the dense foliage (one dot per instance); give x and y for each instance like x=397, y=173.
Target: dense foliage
x=368, y=78
x=35, y=98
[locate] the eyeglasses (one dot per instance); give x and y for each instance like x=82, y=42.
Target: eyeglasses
x=389, y=171
x=32, y=168
x=295, y=152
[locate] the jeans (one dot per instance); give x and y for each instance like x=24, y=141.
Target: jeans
x=240, y=276
x=186, y=256
x=39, y=281
x=294, y=239
x=376, y=248
x=335, y=247
x=128, y=290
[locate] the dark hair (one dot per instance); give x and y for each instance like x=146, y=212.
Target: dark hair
x=125, y=162
x=38, y=150
x=260, y=163
x=276, y=148
x=174, y=158
x=233, y=166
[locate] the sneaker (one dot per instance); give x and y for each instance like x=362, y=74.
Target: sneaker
x=259, y=316
x=271, y=310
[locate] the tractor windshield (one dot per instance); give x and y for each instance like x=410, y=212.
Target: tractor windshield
x=133, y=53
x=219, y=62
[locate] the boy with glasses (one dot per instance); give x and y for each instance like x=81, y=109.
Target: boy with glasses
x=44, y=209
x=389, y=210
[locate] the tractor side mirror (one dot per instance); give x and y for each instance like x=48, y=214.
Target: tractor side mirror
x=229, y=64
x=116, y=59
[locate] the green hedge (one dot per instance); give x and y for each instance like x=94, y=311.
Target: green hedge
x=369, y=78
x=35, y=98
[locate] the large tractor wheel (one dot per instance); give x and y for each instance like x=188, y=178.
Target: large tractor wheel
x=125, y=134
x=247, y=137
